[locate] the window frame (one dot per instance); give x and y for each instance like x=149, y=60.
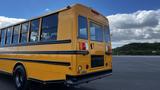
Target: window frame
x=28, y=31
x=38, y=30
x=0, y=37
x=41, y=28
x=99, y=24
x=4, y=29
x=106, y=27
x=18, y=34
x=37, y=42
x=11, y=29
x=79, y=36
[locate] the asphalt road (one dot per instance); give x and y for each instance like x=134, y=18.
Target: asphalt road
x=129, y=73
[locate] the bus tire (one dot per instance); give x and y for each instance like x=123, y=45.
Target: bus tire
x=20, y=78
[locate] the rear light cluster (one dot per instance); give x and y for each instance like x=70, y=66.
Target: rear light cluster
x=81, y=70
x=83, y=46
x=108, y=49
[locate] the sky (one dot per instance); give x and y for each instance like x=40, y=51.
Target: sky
x=130, y=20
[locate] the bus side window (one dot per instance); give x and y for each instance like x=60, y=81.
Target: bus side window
x=82, y=27
x=49, y=27
x=8, y=35
x=0, y=37
x=34, y=32
x=3, y=37
x=107, y=34
x=24, y=32
x=16, y=34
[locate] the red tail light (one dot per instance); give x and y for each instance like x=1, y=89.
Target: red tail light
x=83, y=46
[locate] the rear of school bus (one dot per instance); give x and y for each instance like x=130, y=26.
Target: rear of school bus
x=81, y=52
x=91, y=38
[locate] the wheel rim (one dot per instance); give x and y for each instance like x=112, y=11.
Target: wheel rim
x=19, y=79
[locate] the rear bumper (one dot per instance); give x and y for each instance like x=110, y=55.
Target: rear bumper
x=75, y=80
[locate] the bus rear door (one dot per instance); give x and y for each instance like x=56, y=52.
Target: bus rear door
x=97, y=45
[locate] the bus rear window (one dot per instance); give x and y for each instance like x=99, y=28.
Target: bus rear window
x=107, y=34
x=82, y=27
x=96, y=32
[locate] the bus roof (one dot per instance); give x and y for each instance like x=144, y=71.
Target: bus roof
x=49, y=13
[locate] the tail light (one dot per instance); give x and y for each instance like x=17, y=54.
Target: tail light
x=79, y=69
x=83, y=46
x=109, y=49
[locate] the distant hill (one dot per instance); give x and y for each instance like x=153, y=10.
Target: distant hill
x=138, y=49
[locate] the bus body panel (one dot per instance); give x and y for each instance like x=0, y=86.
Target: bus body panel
x=99, y=47
x=40, y=71
x=51, y=62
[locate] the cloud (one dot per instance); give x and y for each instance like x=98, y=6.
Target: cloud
x=47, y=10
x=5, y=21
x=140, y=26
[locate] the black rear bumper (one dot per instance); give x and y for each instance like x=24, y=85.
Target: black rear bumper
x=75, y=80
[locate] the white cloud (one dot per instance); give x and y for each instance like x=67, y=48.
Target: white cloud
x=47, y=9
x=5, y=21
x=140, y=26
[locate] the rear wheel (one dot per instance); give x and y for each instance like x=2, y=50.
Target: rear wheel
x=20, y=78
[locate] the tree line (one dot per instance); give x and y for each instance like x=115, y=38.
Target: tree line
x=138, y=49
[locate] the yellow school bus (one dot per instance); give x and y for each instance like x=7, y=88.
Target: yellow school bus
x=69, y=46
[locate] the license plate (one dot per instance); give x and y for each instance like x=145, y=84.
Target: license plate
x=97, y=61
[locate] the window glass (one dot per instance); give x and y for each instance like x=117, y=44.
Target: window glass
x=16, y=34
x=107, y=34
x=82, y=27
x=8, y=35
x=49, y=27
x=96, y=32
x=0, y=37
x=24, y=32
x=3, y=37
x=34, y=30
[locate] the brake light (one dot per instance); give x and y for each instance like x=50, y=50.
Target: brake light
x=83, y=46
